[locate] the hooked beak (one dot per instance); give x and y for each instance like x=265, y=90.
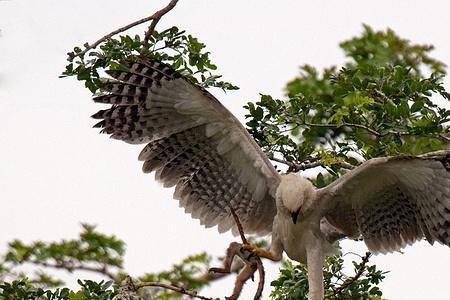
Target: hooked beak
x=294, y=215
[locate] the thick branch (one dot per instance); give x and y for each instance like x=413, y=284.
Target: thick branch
x=155, y=17
x=361, y=269
x=174, y=288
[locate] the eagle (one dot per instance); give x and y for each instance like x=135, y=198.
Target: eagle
x=193, y=143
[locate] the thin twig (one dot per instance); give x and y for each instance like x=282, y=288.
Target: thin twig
x=379, y=95
x=238, y=224
x=352, y=253
x=155, y=16
x=372, y=131
x=304, y=166
x=69, y=266
x=361, y=269
x=444, y=138
x=262, y=276
x=256, y=258
x=368, y=129
x=174, y=288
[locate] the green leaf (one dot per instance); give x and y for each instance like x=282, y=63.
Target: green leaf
x=418, y=105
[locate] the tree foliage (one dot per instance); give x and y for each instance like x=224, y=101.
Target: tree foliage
x=183, y=52
x=381, y=102
x=90, y=251
x=292, y=283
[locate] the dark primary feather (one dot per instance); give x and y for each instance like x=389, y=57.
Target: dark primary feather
x=394, y=201
x=194, y=144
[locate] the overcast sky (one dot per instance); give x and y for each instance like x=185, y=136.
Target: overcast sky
x=56, y=171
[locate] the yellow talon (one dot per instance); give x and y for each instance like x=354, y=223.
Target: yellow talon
x=249, y=247
x=258, y=251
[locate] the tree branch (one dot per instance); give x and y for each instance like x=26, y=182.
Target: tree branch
x=70, y=266
x=304, y=166
x=262, y=276
x=174, y=288
x=155, y=17
x=379, y=95
x=361, y=269
x=253, y=263
x=372, y=131
x=238, y=224
x=444, y=138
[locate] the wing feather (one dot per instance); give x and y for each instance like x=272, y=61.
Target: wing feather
x=393, y=201
x=193, y=143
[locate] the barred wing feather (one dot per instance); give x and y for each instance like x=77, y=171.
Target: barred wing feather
x=193, y=143
x=393, y=201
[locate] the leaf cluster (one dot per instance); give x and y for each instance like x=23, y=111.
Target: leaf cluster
x=380, y=103
x=91, y=251
x=182, y=51
x=24, y=290
x=188, y=274
x=293, y=281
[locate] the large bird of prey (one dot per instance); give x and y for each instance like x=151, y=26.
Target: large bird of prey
x=195, y=144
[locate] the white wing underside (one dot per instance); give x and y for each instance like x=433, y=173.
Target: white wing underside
x=194, y=143
x=393, y=201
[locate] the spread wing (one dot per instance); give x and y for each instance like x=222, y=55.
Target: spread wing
x=393, y=201
x=193, y=143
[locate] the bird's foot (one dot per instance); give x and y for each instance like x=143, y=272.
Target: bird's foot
x=258, y=251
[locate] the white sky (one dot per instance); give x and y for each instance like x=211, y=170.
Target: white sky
x=56, y=171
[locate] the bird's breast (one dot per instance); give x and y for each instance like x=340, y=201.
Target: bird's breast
x=295, y=236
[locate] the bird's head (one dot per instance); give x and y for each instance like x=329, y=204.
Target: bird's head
x=293, y=193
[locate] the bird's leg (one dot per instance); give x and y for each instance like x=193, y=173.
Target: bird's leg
x=315, y=259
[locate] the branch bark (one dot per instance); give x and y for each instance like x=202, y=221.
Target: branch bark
x=69, y=266
x=304, y=166
x=444, y=138
x=238, y=224
x=174, y=288
x=361, y=269
x=156, y=17
x=370, y=130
